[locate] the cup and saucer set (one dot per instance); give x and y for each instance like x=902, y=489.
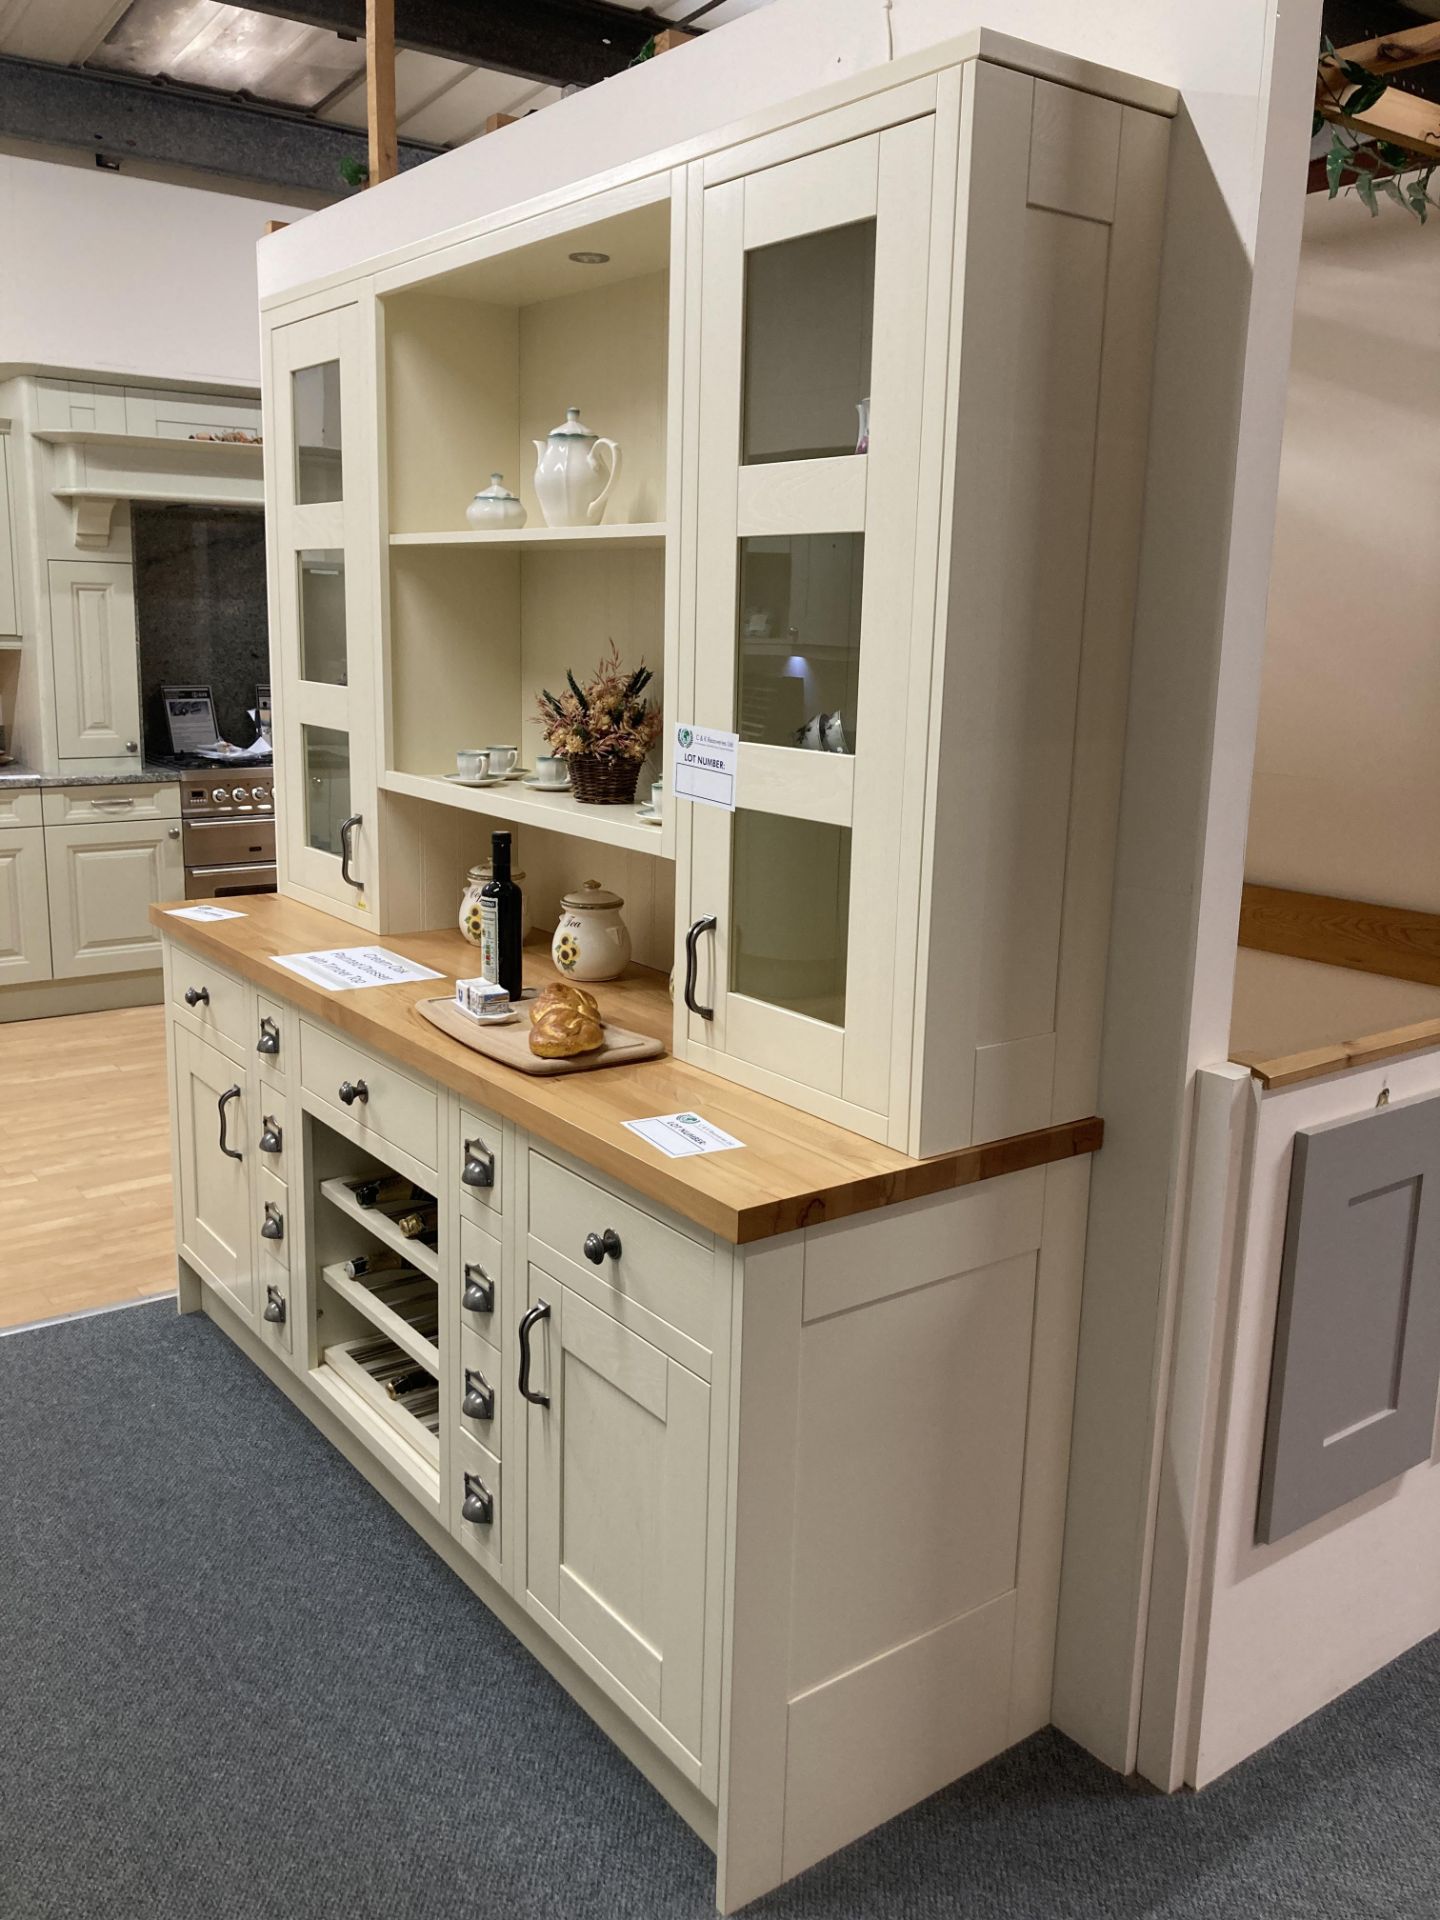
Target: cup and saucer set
x=485, y=766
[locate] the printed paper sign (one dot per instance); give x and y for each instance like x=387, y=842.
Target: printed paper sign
x=343, y=967
x=204, y=913
x=705, y=766
x=680, y=1133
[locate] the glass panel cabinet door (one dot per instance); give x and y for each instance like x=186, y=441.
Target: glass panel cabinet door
x=814, y=297
x=322, y=539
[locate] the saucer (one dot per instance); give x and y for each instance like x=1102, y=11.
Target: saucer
x=647, y=815
x=545, y=786
x=475, y=779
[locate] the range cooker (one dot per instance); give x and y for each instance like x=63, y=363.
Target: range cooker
x=227, y=818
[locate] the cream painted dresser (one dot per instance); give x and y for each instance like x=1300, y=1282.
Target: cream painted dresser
x=762, y=1452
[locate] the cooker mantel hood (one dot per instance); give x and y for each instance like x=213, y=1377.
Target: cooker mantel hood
x=93, y=472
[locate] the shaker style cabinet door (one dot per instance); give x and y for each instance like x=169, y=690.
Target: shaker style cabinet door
x=811, y=369
x=9, y=596
x=213, y=1124
x=24, y=920
x=618, y=1474
x=324, y=606
x=103, y=880
x=97, y=675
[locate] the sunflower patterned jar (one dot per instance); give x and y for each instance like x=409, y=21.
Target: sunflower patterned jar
x=591, y=942
x=469, y=916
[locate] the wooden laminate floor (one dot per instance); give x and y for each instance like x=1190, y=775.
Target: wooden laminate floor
x=84, y=1164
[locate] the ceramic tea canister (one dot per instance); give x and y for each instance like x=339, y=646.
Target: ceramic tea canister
x=572, y=483
x=470, y=904
x=591, y=941
x=495, y=508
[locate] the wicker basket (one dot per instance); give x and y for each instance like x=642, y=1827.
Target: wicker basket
x=602, y=782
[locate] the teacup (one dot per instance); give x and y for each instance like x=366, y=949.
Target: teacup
x=657, y=798
x=550, y=770
x=472, y=763
x=501, y=759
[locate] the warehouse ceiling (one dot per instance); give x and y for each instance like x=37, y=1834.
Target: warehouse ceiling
x=272, y=90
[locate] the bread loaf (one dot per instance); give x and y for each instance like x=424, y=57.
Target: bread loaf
x=560, y=993
x=557, y=1031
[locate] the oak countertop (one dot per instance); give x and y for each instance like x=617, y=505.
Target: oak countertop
x=793, y=1170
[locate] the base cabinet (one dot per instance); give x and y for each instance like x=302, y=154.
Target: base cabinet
x=213, y=1207
x=102, y=881
x=618, y=1478
x=24, y=924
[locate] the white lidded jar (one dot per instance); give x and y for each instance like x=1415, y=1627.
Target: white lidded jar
x=572, y=483
x=470, y=903
x=495, y=508
x=591, y=942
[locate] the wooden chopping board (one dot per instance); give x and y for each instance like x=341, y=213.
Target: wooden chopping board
x=510, y=1044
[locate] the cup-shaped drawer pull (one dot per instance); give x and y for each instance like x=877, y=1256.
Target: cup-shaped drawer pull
x=272, y=1136
x=478, y=1169
x=600, y=1247
x=269, y=1041
x=478, y=1506
x=197, y=996
x=272, y=1227
x=353, y=1090
x=479, y=1401
x=274, y=1306
x=479, y=1294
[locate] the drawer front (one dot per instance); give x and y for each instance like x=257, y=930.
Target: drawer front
x=389, y=1104
x=20, y=806
x=76, y=806
x=272, y=1217
x=476, y=1472
x=274, y=1038
x=219, y=1005
x=654, y=1264
x=272, y=1302
x=481, y=1367
x=481, y=1280
x=481, y=1162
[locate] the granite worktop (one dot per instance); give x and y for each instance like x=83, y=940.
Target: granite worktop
x=17, y=774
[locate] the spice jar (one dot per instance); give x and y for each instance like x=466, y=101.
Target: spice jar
x=591, y=941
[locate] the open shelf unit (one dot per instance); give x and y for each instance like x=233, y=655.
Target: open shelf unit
x=479, y=362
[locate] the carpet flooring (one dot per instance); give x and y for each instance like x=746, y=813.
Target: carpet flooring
x=233, y=1685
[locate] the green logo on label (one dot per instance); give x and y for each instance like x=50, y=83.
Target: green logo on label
x=688, y=1119
x=684, y=736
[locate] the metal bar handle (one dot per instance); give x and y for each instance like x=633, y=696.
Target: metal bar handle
x=692, y=962
x=230, y=1093
x=347, y=827
x=540, y=1311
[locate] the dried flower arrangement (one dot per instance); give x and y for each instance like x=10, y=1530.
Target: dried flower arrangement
x=603, y=729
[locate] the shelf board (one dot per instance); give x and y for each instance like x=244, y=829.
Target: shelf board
x=423, y=1352
x=136, y=497
x=147, y=442
x=11, y=643
x=373, y=1221
x=615, y=826
x=419, y=1436
x=643, y=534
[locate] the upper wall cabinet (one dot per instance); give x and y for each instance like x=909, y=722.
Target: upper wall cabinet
x=9, y=590
x=320, y=494
x=922, y=355
x=97, y=678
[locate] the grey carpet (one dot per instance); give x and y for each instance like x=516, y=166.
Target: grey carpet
x=232, y=1683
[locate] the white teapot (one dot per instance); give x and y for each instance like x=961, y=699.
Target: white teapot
x=571, y=481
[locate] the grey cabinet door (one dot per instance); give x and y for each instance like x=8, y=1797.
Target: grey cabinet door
x=1357, y=1344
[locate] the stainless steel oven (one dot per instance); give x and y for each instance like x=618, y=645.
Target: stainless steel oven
x=228, y=833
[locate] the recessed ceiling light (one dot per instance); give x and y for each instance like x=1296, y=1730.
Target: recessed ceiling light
x=590, y=259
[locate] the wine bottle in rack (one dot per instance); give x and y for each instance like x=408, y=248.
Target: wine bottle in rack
x=388, y=1190
x=399, y=1385
x=368, y=1266
x=417, y=1222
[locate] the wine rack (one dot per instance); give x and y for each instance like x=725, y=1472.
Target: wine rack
x=398, y=1305
x=422, y=1258
x=371, y=1366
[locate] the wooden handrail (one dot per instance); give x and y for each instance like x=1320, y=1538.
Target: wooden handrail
x=1402, y=943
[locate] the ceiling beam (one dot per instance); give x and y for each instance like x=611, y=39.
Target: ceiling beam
x=380, y=89
x=165, y=125
x=1394, y=52
x=558, y=42
x=1400, y=119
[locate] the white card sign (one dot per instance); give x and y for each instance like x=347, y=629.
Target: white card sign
x=344, y=967
x=206, y=912
x=679, y=1134
x=705, y=766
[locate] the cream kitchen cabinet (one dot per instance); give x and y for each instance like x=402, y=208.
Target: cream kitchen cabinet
x=213, y=1189
x=9, y=589
x=102, y=881
x=24, y=924
x=97, y=678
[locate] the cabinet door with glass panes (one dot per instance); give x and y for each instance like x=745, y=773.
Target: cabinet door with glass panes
x=322, y=539
x=811, y=411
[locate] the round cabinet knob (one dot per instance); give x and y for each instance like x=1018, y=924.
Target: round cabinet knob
x=132, y=746
x=351, y=1091
x=478, y=1506
x=219, y=795
x=600, y=1247
x=174, y=833
x=197, y=996
x=274, y=1307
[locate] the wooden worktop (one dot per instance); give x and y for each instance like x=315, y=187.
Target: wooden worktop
x=793, y=1170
